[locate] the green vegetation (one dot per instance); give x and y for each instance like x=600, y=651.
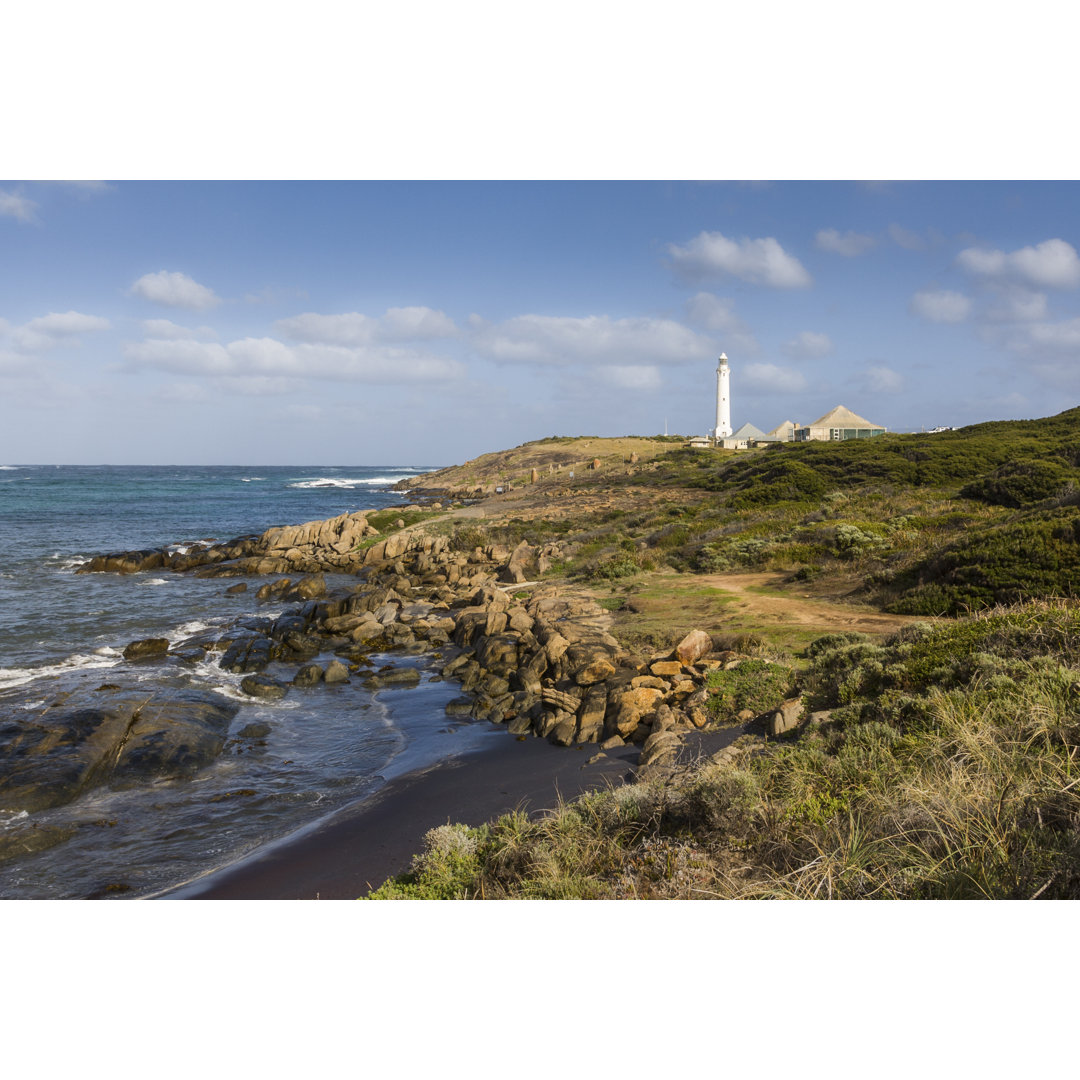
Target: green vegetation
x=756, y=685
x=946, y=769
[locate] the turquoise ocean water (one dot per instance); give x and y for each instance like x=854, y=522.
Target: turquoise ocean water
x=62, y=632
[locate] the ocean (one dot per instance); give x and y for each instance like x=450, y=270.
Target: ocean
x=63, y=632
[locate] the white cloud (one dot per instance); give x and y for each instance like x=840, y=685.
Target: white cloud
x=1053, y=263
x=905, y=238
x=760, y=262
x=17, y=206
x=849, y=243
x=809, y=344
x=165, y=328
x=415, y=323
x=941, y=306
x=1062, y=335
x=768, y=378
x=631, y=376
x=555, y=340
x=174, y=289
x=266, y=357
x=879, y=379
x=350, y=328
x=1018, y=304
x=56, y=328
x=354, y=328
x=718, y=313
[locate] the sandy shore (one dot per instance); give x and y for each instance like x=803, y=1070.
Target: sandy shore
x=361, y=846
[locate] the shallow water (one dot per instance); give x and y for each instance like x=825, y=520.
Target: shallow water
x=63, y=632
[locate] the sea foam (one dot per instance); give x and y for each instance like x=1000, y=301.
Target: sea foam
x=343, y=482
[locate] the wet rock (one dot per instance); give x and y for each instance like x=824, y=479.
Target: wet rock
x=256, y=730
x=308, y=675
x=336, y=672
x=234, y=590
x=263, y=687
x=54, y=757
x=16, y=842
x=397, y=677
x=459, y=706
x=147, y=649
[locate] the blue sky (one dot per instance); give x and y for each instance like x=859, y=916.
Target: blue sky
x=278, y=322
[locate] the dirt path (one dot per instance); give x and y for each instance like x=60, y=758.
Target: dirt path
x=805, y=611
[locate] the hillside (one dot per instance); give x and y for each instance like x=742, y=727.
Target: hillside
x=931, y=758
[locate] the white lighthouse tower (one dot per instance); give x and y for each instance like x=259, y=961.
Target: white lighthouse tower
x=723, y=399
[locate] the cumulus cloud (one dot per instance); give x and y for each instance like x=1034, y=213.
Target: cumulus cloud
x=631, y=376
x=761, y=262
x=56, y=328
x=355, y=328
x=268, y=358
x=17, y=206
x=174, y=289
x=809, y=345
x=594, y=339
x=1017, y=304
x=770, y=378
x=878, y=379
x=849, y=243
x=941, y=306
x=165, y=328
x=717, y=313
x=1053, y=263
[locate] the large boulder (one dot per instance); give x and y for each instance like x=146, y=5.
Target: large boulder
x=631, y=706
x=147, y=649
x=693, y=647
x=54, y=757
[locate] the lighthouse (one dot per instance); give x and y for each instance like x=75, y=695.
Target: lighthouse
x=723, y=399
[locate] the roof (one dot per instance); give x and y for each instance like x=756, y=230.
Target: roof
x=783, y=430
x=747, y=431
x=842, y=418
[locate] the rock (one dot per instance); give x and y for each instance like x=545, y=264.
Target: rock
x=262, y=686
x=784, y=718
x=591, y=714
x=631, y=706
x=660, y=748
x=613, y=743
x=650, y=681
x=693, y=647
x=459, y=706
x=147, y=649
x=564, y=731
x=336, y=672
x=60, y=753
x=257, y=730
x=669, y=668
x=397, y=677
x=234, y=590
x=590, y=664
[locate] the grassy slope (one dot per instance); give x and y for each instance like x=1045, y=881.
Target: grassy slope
x=948, y=766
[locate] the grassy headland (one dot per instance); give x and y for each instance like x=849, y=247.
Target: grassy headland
x=935, y=758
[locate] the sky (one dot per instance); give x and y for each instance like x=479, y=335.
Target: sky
x=173, y=322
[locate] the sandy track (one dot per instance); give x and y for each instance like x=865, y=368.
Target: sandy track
x=792, y=609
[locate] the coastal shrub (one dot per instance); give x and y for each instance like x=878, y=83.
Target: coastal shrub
x=1021, y=483
x=756, y=685
x=1030, y=557
x=445, y=870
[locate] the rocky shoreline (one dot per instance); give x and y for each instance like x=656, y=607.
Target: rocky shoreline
x=533, y=656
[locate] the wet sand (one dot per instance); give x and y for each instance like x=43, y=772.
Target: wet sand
x=361, y=846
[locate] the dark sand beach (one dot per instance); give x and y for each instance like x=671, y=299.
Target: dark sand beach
x=359, y=847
